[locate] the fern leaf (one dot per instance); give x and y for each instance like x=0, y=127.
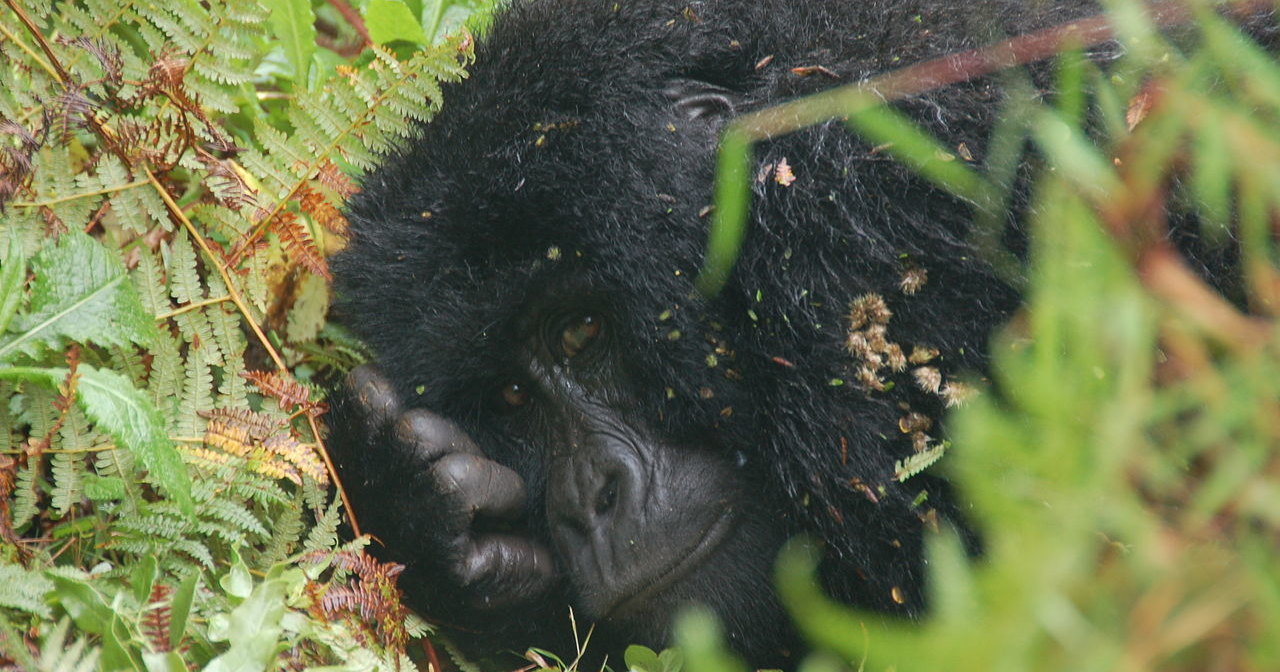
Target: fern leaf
x=235, y=514
x=137, y=208
x=115, y=464
x=166, y=371
x=906, y=468
x=54, y=174
x=128, y=360
x=158, y=527
x=262, y=491
x=184, y=279
x=59, y=655
x=300, y=243
x=148, y=278
x=197, y=394
x=286, y=532
x=67, y=465
x=324, y=536
x=23, y=506
x=195, y=329
x=24, y=590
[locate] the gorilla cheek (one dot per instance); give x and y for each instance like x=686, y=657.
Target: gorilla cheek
x=631, y=520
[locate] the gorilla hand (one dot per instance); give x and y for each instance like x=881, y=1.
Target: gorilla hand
x=453, y=545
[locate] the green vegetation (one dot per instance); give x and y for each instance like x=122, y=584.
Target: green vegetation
x=171, y=177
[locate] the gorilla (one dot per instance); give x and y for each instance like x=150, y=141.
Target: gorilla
x=558, y=420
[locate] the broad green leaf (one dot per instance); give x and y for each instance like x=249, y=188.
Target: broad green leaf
x=115, y=405
x=81, y=293
x=237, y=582
x=143, y=577
x=180, y=608
x=391, y=20
x=253, y=629
x=641, y=659
x=12, y=274
x=294, y=24
x=82, y=601
x=117, y=650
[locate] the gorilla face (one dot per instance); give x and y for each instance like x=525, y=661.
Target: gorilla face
x=576, y=499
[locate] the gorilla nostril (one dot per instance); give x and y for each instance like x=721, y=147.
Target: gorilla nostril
x=608, y=495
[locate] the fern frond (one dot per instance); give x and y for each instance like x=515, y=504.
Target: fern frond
x=236, y=515
x=195, y=329
x=148, y=276
x=184, y=278
x=166, y=370
x=128, y=360
x=24, y=590
x=54, y=174
x=286, y=532
x=25, y=502
x=324, y=535
x=906, y=468
x=158, y=527
x=197, y=394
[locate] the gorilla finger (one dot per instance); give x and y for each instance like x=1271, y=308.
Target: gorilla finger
x=480, y=486
x=506, y=570
x=431, y=436
x=374, y=393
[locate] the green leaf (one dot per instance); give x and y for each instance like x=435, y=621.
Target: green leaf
x=80, y=292
x=12, y=274
x=916, y=147
x=1075, y=156
x=391, y=20
x=671, y=660
x=142, y=578
x=82, y=601
x=253, y=629
x=237, y=582
x=180, y=608
x=641, y=659
x=294, y=23
x=115, y=405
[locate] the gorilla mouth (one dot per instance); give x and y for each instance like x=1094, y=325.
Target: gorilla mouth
x=684, y=562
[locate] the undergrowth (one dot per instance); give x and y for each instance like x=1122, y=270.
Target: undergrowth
x=171, y=181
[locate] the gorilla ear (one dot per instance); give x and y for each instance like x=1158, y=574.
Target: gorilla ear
x=694, y=99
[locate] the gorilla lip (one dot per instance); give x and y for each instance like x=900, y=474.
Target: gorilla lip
x=687, y=560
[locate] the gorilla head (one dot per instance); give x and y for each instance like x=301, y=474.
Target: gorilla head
x=558, y=419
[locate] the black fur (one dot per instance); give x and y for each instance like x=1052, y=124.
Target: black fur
x=575, y=164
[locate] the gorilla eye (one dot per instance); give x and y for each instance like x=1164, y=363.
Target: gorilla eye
x=578, y=334
x=513, y=395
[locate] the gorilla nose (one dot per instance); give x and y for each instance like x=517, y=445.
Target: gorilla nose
x=598, y=489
